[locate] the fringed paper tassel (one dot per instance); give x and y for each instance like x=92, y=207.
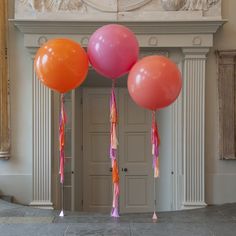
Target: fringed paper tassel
x=116, y=190
x=155, y=152
x=62, y=150
x=62, y=139
x=155, y=145
x=113, y=154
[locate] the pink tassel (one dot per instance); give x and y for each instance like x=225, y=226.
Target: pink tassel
x=154, y=217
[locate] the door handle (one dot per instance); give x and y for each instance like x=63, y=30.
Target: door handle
x=110, y=169
x=125, y=169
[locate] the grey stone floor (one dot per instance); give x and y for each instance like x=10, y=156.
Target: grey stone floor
x=22, y=220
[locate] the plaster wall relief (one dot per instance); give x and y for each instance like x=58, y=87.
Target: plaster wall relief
x=117, y=9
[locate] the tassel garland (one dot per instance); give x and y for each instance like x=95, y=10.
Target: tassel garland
x=113, y=154
x=155, y=145
x=62, y=139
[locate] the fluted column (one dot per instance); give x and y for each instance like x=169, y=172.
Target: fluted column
x=42, y=144
x=4, y=91
x=193, y=126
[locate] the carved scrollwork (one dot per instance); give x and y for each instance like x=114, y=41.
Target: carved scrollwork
x=53, y=5
x=114, y=6
x=195, y=5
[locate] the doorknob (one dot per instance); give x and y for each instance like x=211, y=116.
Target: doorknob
x=125, y=169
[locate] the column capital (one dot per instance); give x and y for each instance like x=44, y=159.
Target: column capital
x=195, y=53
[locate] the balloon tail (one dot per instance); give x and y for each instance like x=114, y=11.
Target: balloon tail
x=115, y=212
x=154, y=216
x=113, y=154
x=61, y=213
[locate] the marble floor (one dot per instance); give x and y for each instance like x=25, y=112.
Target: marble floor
x=22, y=220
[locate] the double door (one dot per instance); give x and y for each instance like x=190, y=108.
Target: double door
x=134, y=153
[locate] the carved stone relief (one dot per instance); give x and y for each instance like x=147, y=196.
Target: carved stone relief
x=196, y=5
x=152, y=7
x=172, y=5
x=52, y=5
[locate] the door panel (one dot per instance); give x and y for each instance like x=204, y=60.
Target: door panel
x=100, y=184
x=134, y=156
x=97, y=194
x=136, y=191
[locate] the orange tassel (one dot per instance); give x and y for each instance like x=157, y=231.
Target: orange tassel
x=115, y=172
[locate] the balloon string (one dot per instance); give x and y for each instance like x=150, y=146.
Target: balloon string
x=113, y=153
x=113, y=84
x=62, y=124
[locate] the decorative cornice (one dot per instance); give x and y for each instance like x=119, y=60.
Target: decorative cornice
x=144, y=27
x=226, y=53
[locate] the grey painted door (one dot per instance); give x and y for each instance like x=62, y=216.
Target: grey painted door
x=134, y=156
x=97, y=187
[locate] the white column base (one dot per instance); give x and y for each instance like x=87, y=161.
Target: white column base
x=42, y=205
x=193, y=205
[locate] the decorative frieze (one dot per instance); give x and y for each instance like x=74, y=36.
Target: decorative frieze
x=117, y=9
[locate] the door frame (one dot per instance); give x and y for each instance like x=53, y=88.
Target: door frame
x=77, y=149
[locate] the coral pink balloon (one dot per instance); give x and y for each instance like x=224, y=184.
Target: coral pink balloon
x=113, y=50
x=154, y=82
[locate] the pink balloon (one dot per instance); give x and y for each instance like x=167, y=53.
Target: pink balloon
x=154, y=82
x=113, y=50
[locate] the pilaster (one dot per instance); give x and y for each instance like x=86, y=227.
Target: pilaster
x=194, y=126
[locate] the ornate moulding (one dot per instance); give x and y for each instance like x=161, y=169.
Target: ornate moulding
x=117, y=9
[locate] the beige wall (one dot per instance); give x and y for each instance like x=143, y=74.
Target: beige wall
x=16, y=173
x=220, y=175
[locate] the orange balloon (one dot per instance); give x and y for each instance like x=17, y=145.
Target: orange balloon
x=61, y=64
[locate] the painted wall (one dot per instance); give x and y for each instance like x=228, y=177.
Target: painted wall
x=220, y=175
x=16, y=174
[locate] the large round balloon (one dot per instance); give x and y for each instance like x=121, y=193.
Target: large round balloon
x=61, y=64
x=154, y=82
x=113, y=50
